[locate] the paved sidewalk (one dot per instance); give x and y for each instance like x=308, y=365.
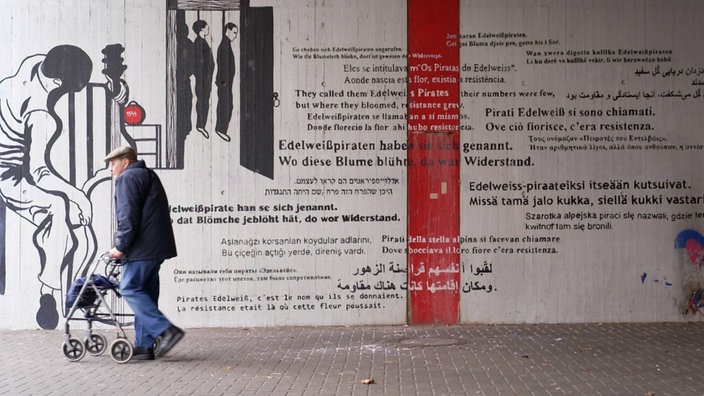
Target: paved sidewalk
x=577, y=359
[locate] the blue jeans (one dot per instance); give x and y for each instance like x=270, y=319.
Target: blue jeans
x=140, y=288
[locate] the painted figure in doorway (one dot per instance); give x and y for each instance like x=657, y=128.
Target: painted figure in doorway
x=184, y=94
x=224, y=80
x=203, y=71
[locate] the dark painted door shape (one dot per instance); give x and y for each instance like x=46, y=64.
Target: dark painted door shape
x=257, y=90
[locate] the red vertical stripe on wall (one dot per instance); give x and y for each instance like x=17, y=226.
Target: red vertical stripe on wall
x=433, y=154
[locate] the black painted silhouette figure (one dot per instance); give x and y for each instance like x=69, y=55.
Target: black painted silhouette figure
x=204, y=65
x=184, y=94
x=224, y=80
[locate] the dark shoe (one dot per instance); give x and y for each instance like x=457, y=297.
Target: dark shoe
x=168, y=339
x=47, y=315
x=141, y=353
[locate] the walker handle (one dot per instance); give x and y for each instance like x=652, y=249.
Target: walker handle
x=105, y=257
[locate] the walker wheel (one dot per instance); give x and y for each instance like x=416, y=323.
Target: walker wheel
x=97, y=344
x=121, y=350
x=74, y=350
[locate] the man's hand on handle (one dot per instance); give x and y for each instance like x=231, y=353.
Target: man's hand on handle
x=116, y=254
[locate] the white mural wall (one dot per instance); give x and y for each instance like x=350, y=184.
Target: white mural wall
x=286, y=170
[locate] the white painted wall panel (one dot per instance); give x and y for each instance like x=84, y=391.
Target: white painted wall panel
x=584, y=62
x=627, y=270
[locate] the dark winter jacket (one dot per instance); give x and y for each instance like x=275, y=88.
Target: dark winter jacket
x=144, y=229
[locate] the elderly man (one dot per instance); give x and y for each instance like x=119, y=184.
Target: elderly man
x=144, y=239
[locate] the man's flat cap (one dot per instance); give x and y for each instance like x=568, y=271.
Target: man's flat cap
x=122, y=152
